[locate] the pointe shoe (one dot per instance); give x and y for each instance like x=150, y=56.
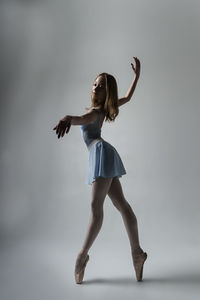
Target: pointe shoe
x=138, y=261
x=79, y=275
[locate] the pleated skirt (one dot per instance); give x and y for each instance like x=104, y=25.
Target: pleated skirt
x=104, y=161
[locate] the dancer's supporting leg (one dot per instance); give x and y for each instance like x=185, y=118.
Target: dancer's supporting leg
x=99, y=191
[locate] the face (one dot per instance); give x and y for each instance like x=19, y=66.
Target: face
x=99, y=90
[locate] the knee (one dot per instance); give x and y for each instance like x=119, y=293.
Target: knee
x=121, y=204
x=96, y=210
x=127, y=209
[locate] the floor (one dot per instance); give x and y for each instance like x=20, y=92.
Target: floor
x=33, y=269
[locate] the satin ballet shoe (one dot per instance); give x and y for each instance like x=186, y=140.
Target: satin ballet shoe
x=138, y=262
x=79, y=275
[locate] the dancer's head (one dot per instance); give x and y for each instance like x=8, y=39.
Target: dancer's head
x=105, y=94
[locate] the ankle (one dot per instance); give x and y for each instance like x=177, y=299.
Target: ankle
x=137, y=251
x=83, y=252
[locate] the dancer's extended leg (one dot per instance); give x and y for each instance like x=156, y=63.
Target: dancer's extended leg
x=116, y=195
x=138, y=255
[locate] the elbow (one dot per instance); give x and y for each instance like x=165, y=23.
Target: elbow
x=127, y=99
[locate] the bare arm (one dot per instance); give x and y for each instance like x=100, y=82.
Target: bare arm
x=84, y=119
x=133, y=84
x=65, y=123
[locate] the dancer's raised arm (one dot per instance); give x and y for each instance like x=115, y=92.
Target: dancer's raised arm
x=129, y=94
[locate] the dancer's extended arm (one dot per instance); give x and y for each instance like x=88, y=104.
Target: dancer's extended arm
x=65, y=123
x=132, y=87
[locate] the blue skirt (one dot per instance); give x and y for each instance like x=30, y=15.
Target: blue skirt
x=104, y=161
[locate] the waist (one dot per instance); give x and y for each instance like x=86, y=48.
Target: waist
x=94, y=142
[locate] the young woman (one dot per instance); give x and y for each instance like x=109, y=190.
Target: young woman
x=105, y=166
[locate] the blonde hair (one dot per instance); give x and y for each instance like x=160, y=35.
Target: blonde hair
x=110, y=106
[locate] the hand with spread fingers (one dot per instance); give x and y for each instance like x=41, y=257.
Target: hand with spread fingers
x=136, y=68
x=63, y=126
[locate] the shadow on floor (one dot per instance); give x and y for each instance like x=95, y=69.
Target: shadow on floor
x=175, y=279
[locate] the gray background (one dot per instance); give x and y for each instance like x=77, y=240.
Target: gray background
x=51, y=51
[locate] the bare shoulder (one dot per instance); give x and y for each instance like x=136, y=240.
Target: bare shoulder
x=90, y=115
x=92, y=110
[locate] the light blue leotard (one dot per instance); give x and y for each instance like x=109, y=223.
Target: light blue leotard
x=104, y=160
